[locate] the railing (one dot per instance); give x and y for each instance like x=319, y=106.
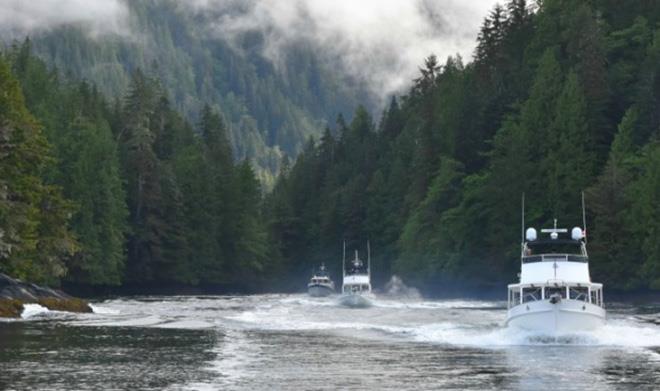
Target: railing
x=555, y=258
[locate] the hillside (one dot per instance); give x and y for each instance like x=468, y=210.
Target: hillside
x=558, y=100
x=272, y=108
x=146, y=189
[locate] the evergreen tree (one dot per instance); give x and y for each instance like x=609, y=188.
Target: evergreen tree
x=34, y=236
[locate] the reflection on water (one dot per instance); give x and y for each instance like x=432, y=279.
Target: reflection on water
x=295, y=342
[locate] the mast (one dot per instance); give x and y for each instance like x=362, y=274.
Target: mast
x=584, y=219
x=343, y=261
x=522, y=226
x=369, y=260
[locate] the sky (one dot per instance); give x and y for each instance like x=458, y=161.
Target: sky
x=382, y=42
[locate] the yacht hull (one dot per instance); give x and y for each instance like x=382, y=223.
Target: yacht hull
x=354, y=301
x=566, y=316
x=319, y=290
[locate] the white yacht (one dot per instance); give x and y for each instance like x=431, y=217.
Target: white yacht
x=356, y=283
x=320, y=285
x=555, y=293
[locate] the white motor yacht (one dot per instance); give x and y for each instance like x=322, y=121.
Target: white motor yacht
x=320, y=285
x=555, y=293
x=356, y=283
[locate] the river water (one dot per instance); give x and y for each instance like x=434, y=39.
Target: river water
x=293, y=342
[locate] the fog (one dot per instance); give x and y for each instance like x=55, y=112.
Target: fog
x=98, y=17
x=380, y=42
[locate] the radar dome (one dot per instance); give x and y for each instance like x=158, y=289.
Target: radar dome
x=530, y=234
x=576, y=233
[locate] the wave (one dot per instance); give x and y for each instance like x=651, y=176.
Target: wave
x=32, y=310
x=616, y=333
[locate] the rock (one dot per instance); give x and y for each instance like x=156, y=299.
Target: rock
x=14, y=293
x=10, y=308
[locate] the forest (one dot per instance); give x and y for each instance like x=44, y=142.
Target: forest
x=270, y=108
x=560, y=97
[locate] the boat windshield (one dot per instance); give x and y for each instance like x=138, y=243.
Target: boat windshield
x=554, y=247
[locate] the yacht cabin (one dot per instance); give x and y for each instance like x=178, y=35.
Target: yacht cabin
x=555, y=269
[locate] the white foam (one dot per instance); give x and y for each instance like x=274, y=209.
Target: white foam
x=448, y=304
x=30, y=310
x=615, y=333
x=97, y=309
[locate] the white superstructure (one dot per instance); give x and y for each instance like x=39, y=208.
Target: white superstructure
x=356, y=282
x=555, y=292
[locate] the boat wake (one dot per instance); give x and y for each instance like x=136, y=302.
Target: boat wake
x=467, y=323
x=614, y=334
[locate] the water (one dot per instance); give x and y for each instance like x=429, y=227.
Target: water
x=283, y=342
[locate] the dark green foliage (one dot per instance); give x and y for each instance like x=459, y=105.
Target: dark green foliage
x=437, y=188
x=558, y=99
x=271, y=107
x=35, y=239
x=149, y=199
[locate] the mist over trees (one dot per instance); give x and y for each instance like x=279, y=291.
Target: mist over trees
x=270, y=110
x=559, y=98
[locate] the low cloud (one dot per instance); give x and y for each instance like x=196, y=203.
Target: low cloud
x=98, y=17
x=382, y=42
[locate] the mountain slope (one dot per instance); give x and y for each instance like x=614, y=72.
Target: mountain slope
x=272, y=108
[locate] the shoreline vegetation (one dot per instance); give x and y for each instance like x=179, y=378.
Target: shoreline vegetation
x=125, y=191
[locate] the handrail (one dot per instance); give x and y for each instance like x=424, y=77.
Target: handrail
x=555, y=258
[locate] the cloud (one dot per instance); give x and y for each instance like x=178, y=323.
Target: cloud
x=98, y=17
x=382, y=42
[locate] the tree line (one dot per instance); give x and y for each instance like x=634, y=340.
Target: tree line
x=560, y=98
x=100, y=192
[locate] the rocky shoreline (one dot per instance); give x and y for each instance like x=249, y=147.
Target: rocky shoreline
x=15, y=293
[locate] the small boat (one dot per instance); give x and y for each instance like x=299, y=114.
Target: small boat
x=555, y=293
x=320, y=285
x=356, y=283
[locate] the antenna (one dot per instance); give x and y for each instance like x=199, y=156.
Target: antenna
x=343, y=260
x=368, y=258
x=522, y=225
x=584, y=219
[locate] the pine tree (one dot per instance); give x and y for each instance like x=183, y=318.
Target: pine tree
x=34, y=236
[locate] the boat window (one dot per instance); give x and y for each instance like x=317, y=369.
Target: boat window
x=365, y=287
x=556, y=247
x=596, y=297
x=549, y=291
x=578, y=293
x=577, y=258
x=515, y=296
x=531, y=294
